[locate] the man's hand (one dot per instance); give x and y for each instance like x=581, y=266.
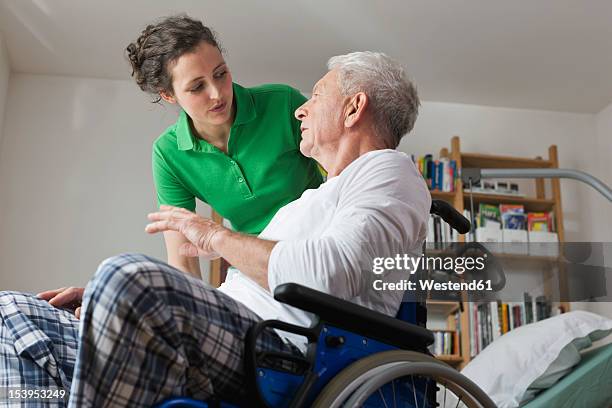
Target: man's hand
x=198, y=230
x=69, y=298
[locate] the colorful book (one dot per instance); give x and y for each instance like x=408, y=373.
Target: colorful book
x=513, y=216
x=489, y=216
x=537, y=221
x=505, y=326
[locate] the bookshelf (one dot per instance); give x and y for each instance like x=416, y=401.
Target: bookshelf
x=449, y=310
x=461, y=200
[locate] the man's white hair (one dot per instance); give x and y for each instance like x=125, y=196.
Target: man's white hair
x=393, y=98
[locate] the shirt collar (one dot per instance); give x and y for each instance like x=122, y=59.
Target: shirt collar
x=245, y=112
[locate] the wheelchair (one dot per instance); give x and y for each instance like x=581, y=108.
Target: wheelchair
x=356, y=357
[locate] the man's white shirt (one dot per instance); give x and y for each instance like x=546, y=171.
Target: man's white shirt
x=378, y=206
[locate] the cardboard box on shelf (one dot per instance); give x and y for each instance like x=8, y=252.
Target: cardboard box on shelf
x=515, y=242
x=542, y=243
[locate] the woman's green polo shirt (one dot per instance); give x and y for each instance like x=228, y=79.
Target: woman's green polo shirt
x=262, y=171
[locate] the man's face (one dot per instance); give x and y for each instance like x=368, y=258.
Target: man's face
x=322, y=117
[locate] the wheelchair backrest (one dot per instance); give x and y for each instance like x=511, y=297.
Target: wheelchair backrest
x=414, y=312
x=407, y=312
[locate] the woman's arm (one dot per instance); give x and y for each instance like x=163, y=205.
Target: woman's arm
x=191, y=265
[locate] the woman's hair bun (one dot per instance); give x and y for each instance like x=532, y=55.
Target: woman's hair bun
x=161, y=43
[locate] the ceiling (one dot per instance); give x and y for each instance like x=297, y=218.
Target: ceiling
x=541, y=54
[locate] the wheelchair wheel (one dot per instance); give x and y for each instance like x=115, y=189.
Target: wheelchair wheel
x=401, y=378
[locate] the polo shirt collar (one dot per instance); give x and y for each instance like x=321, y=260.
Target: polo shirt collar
x=245, y=107
x=184, y=137
x=245, y=113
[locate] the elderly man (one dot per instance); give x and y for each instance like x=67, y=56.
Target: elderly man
x=149, y=331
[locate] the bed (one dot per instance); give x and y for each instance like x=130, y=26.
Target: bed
x=588, y=385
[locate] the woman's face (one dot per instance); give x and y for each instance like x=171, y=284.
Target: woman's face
x=202, y=86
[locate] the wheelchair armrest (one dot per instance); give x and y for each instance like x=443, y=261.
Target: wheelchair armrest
x=350, y=316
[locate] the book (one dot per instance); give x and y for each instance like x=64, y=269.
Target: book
x=437, y=232
x=428, y=168
x=513, y=216
x=528, y=308
x=444, y=343
x=505, y=323
x=489, y=216
x=430, y=229
x=537, y=221
x=441, y=174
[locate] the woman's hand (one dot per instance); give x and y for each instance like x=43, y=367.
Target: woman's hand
x=198, y=230
x=68, y=298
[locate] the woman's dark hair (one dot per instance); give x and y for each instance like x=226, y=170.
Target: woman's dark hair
x=162, y=43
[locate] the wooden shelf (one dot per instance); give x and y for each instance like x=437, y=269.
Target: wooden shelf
x=531, y=204
x=486, y=161
x=450, y=358
x=442, y=307
x=526, y=257
x=442, y=195
x=501, y=255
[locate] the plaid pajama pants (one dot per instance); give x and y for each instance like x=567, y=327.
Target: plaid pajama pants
x=38, y=348
x=148, y=331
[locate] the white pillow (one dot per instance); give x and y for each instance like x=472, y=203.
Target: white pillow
x=534, y=356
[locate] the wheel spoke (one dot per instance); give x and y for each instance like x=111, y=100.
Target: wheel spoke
x=444, y=405
x=459, y=402
x=414, y=392
x=425, y=395
x=393, y=390
x=382, y=397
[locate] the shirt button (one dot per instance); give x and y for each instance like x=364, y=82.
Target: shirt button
x=232, y=162
x=240, y=179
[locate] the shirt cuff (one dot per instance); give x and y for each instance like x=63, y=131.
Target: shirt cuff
x=274, y=266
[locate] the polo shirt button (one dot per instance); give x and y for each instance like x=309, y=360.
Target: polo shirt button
x=240, y=180
x=232, y=162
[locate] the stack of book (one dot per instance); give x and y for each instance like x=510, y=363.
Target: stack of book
x=439, y=232
x=446, y=342
x=510, y=223
x=488, y=321
x=440, y=175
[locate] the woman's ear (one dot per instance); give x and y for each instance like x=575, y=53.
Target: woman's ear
x=167, y=96
x=355, y=109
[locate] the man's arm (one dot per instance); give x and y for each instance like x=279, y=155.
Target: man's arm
x=204, y=237
x=247, y=253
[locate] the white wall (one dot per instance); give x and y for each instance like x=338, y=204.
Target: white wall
x=75, y=178
x=5, y=71
x=597, y=205
x=603, y=166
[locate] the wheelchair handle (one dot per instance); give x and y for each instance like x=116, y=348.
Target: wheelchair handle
x=451, y=216
x=353, y=317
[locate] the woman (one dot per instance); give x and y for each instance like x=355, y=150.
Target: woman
x=234, y=148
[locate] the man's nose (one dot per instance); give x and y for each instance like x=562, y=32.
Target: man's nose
x=300, y=113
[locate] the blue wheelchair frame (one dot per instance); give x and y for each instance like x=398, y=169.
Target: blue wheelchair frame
x=336, y=341
x=344, y=334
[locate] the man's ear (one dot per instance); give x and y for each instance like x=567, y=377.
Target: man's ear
x=167, y=96
x=355, y=109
